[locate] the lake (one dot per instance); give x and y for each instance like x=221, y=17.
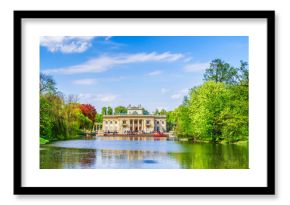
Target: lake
x=141, y=153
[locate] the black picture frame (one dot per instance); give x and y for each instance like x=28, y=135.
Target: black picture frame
x=268, y=190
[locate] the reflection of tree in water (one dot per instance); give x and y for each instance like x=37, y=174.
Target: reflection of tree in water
x=65, y=158
x=147, y=155
x=213, y=156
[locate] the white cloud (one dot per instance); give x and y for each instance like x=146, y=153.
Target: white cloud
x=186, y=60
x=180, y=94
x=104, y=63
x=89, y=97
x=164, y=90
x=154, y=73
x=86, y=81
x=66, y=44
x=196, y=67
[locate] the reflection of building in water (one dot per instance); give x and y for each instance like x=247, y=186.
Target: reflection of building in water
x=134, y=121
x=132, y=138
x=130, y=154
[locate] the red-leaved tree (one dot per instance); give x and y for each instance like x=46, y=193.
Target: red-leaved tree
x=89, y=111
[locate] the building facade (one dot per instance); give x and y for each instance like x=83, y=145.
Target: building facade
x=134, y=121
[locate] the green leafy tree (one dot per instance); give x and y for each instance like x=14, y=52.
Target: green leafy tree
x=243, y=73
x=156, y=112
x=205, y=105
x=183, y=127
x=46, y=121
x=120, y=110
x=47, y=84
x=217, y=110
x=163, y=112
x=234, y=117
x=220, y=71
x=99, y=118
x=104, y=110
x=145, y=112
x=170, y=121
x=110, y=111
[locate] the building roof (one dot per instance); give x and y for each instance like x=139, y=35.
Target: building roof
x=139, y=107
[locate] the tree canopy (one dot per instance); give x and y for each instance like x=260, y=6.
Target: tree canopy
x=220, y=71
x=120, y=110
x=47, y=84
x=217, y=110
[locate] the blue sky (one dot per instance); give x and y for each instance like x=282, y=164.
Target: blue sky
x=154, y=71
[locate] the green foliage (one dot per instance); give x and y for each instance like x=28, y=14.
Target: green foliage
x=156, y=112
x=145, y=112
x=104, y=110
x=205, y=105
x=46, y=121
x=183, y=126
x=220, y=71
x=216, y=111
x=47, y=84
x=120, y=110
x=234, y=117
x=163, y=112
x=110, y=111
x=99, y=118
x=43, y=141
x=170, y=121
x=85, y=122
x=160, y=112
x=60, y=120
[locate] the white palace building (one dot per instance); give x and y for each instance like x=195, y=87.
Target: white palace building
x=134, y=121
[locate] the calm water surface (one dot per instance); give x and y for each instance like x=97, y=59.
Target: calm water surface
x=141, y=153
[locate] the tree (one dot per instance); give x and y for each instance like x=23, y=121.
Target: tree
x=145, y=112
x=85, y=122
x=53, y=124
x=104, y=110
x=163, y=112
x=220, y=71
x=47, y=84
x=46, y=121
x=206, y=103
x=120, y=110
x=235, y=115
x=89, y=111
x=243, y=73
x=99, y=118
x=156, y=112
x=110, y=111
x=170, y=120
x=183, y=126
